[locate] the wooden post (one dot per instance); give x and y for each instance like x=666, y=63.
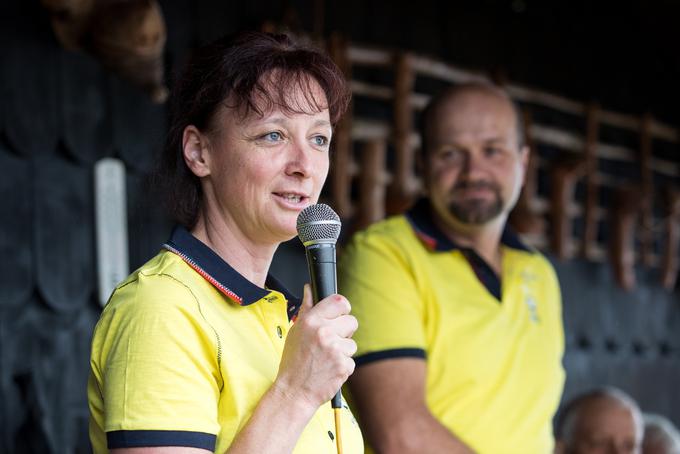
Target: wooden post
x=646, y=219
x=522, y=218
x=341, y=155
x=402, y=190
x=372, y=183
x=590, y=204
x=624, y=212
x=564, y=175
x=669, y=257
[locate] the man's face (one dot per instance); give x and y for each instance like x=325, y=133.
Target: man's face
x=474, y=166
x=605, y=427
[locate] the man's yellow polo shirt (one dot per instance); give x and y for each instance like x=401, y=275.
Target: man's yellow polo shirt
x=493, y=346
x=183, y=352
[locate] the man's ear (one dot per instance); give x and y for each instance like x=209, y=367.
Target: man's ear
x=195, y=151
x=560, y=447
x=526, y=154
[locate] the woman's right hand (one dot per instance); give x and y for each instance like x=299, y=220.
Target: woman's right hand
x=317, y=355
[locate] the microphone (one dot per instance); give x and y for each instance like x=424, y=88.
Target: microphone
x=318, y=228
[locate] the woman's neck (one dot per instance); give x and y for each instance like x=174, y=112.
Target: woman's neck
x=251, y=259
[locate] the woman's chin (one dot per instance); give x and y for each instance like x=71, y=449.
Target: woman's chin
x=286, y=231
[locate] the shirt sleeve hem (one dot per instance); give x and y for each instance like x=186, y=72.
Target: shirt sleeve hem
x=155, y=438
x=389, y=354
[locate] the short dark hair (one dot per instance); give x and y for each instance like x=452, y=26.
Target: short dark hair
x=232, y=71
x=437, y=100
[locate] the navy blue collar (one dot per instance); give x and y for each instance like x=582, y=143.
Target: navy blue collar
x=220, y=274
x=420, y=218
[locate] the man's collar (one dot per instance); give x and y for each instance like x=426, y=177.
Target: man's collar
x=420, y=218
x=220, y=274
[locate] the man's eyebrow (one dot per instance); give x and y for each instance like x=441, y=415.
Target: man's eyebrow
x=494, y=140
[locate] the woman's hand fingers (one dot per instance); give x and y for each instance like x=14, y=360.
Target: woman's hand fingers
x=332, y=307
x=317, y=357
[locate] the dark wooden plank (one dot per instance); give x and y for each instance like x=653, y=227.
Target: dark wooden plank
x=148, y=225
x=63, y=229
x=47, y=356
x=28, y=80
x=16, y=245
x=84, y=108
x=138, y=124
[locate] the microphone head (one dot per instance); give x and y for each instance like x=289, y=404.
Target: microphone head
x=318, y=224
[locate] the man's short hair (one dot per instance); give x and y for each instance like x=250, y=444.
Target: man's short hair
x=568, y=416
x=437, y=100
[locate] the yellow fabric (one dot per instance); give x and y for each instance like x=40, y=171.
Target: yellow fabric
x=494, y=372
x=170, y=352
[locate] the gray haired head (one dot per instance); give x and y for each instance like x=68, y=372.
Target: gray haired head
x=660, y=435
x=318, y=224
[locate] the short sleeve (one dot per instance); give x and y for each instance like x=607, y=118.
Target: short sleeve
x=155, y=360
x=376, y=276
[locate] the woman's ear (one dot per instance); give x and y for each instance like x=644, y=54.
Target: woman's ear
x=195, y=151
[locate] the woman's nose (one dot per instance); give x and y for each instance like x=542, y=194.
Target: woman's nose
x=299, y=160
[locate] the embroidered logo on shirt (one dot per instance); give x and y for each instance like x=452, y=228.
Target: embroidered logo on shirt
x=528, y=295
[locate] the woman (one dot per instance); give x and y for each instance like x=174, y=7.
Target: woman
x=195, y=351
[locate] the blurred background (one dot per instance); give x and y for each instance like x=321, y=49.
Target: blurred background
x=83, y=85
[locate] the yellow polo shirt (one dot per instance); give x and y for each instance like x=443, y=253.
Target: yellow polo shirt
x=183, y=352
x=493, y=345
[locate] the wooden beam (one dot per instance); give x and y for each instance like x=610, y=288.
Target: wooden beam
x=341, y=157
x=401, y=193
x=647, y=187
x=671, y=243
x=624, y=213
x=590, y=204
x=564, y=174
x=523, y=217
x=372, y=182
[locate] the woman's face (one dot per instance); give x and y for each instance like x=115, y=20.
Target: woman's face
x=264, y=170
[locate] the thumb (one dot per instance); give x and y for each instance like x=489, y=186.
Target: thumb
x=307, y=300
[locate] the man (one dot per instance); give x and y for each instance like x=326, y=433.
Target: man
x=661, y=436
x=603, y=421
x=460, y=335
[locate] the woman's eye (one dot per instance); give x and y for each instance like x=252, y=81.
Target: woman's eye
x=273, y=136
x=320, y=141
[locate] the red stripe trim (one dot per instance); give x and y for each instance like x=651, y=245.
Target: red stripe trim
x=205, y=275
x=428, y=240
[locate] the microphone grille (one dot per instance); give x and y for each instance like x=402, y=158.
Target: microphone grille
x=318, y=223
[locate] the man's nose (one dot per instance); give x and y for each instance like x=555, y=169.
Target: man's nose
x=473, y=163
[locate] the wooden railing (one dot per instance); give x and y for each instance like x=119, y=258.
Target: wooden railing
x=634, y=219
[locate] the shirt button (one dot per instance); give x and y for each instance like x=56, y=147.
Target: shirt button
x=279, y=331
x=330, y=435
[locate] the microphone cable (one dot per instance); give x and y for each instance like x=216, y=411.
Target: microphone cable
x=337, y=413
